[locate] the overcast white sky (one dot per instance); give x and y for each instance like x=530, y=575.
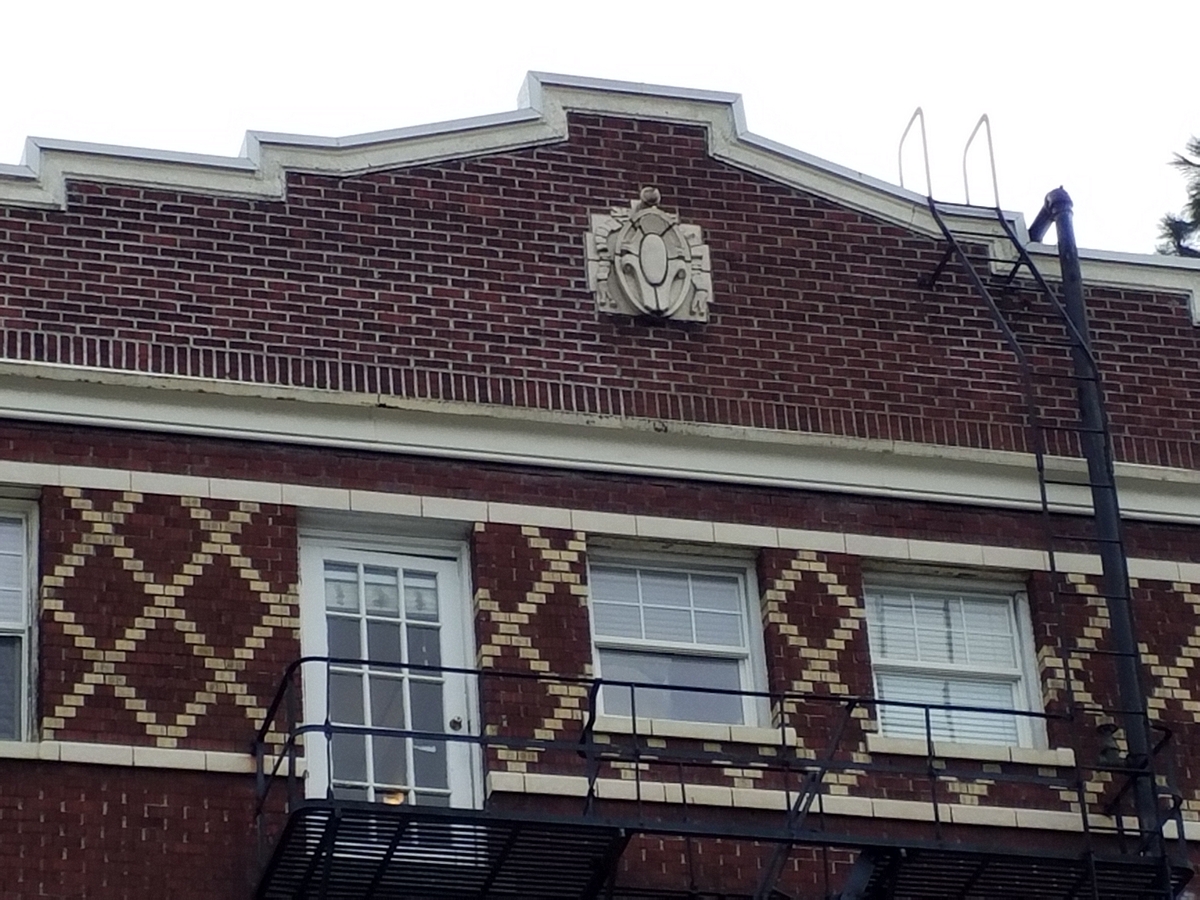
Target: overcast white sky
x=1095, y=96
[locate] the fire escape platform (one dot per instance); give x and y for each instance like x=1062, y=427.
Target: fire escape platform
x=571, y=847
x=351, y=851
x=343, y=850
x=925, y=874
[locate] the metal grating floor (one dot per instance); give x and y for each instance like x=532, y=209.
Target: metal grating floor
x=943, y=874
x=398, y=853
x=352, y=851
x=630, y=893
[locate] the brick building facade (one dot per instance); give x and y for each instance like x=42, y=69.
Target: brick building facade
x=357, y=399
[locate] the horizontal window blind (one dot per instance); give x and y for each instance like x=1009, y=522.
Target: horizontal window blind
x=947, y=725
x=14, y=625
x=936, y=648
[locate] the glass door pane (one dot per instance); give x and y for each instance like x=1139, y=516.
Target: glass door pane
x=387, y=697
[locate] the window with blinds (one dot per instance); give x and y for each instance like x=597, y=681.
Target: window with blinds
x=937, y=648
x=673, y=627
x=14, y=626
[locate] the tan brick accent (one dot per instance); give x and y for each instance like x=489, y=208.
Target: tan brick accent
x=513, y=632
x=1073, y=672
x=1169, y=681
x=1059, y=671
x=1174, y=682
x=822, y=659
x=167, y=608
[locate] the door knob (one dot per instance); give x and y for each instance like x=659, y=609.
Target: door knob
x=456, y=724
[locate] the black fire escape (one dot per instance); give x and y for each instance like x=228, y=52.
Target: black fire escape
x=572, y=846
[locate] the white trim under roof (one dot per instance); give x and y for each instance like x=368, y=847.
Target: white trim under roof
x=449, y=430
x=261, y=170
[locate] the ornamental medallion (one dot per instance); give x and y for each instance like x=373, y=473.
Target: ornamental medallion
x=643, y=262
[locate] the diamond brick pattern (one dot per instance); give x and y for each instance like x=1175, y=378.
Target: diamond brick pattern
x=1170, y=651
x=531, y=615
x=814, y=623
x=156, y=615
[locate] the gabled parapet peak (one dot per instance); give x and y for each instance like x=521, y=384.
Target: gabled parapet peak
x=541, y=118
x=260, y=171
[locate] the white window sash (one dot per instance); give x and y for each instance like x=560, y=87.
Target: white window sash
x=750, y=656
x=23, y=629
x=1021, y=678
x=674, y=648
x=950, y=670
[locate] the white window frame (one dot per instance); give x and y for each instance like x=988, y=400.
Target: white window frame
x=752, y=668
x=466, y=787
x=1031, y=730
x=25, y=630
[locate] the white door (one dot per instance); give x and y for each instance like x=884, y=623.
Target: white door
x=383, y=616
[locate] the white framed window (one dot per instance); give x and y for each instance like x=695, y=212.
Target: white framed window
x=17, y=576
x=941, y=643
x=677, y=624
x=378, y=611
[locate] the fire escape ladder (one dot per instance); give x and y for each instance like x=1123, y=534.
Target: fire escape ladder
x=1077, y=493
x=798, y=812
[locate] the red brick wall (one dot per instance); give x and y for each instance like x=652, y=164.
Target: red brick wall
x=510, y=563
x=103, y=597
x=533, y=578
x=465, y=281
x=166, y=621
x=75, y=832
x=531, y=618
x=667, y=863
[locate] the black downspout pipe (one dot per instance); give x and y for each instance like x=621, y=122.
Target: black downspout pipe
x=1114, y=568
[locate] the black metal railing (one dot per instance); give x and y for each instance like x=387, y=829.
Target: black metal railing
x=636, y=775
x=802, y=756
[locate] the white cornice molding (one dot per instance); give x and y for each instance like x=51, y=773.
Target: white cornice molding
x=1136, y=271
x=449, y=430
x=260, y=171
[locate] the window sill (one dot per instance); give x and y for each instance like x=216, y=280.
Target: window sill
x=697, y=731
x=1028, y=756
x=128, y=755
x=833, y=804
